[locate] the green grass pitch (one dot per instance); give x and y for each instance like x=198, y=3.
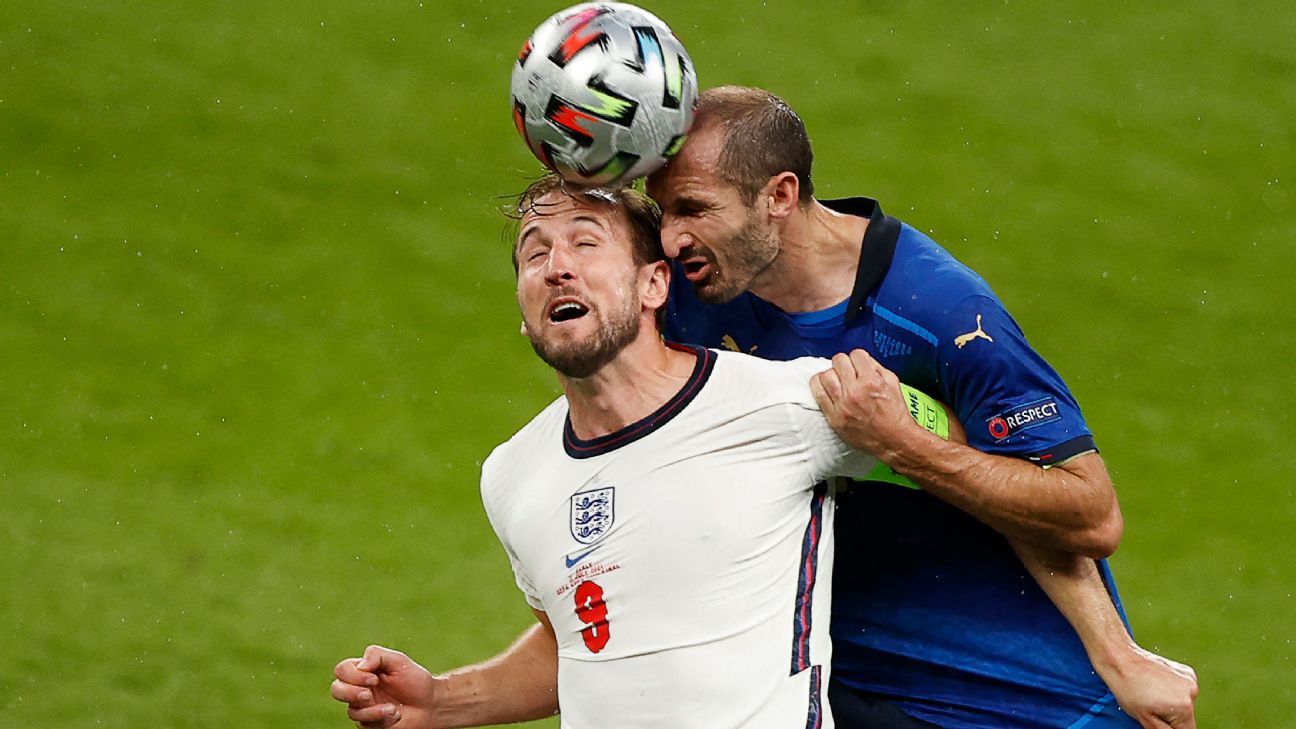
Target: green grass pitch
x=257, y=328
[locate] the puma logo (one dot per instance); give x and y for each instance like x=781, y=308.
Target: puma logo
x=961, y=340
x=728, y=343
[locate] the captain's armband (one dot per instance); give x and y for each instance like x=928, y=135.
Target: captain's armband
x=926, y=411
x=931, y=416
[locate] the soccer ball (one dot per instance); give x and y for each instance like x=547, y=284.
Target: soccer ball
x=603, y=93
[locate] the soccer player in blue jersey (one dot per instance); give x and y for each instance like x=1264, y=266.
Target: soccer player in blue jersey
x=520, y=683
x=936, y=622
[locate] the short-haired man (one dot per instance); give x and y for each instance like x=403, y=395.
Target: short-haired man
x=935, y=620
x=666, y=519
x=385, y=688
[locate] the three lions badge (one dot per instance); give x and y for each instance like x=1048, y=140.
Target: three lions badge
x=592, y=514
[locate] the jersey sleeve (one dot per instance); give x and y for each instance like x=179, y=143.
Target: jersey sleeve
x=830, y=456
x=1009, y=400
x=491, y=498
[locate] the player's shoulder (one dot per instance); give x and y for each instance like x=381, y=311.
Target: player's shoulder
x=764, y=382
x=921, y=264
x=926, y=286
x=517, y=454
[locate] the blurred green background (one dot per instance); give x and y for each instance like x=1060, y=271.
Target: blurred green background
x=257, y=329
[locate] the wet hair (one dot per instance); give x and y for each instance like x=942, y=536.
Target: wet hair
x=641, y=212
x=763, y=137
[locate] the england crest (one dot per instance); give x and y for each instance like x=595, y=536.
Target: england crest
x=592, y=514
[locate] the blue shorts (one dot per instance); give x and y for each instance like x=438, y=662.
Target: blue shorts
x=854, y=710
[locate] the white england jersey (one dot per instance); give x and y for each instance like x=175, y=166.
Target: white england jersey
x=684, y=561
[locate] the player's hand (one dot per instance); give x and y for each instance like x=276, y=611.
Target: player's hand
x=1157, y=692
x=384, y=689
x=861, y=400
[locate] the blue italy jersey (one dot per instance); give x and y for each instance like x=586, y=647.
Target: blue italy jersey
x=932, y=610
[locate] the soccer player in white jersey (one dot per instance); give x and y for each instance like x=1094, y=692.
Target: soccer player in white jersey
x=666, y=519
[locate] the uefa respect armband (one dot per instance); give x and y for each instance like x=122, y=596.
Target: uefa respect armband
x=931, y=416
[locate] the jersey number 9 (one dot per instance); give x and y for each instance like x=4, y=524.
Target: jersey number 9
x=591, y=610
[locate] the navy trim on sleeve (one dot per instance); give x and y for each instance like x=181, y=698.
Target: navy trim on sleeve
x=1063, y=451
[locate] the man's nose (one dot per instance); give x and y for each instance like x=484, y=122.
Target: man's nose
x=674, y=239
x=558, y=266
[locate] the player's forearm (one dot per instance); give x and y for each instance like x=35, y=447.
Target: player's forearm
x=1075, y=586
x=1072, y=509
x=520, y=684
x=1154, y=690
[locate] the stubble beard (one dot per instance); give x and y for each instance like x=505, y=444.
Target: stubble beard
x=751, y=251
x=582, y=358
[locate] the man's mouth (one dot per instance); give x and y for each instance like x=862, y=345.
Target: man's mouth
x=566, y=309
x=696, y=269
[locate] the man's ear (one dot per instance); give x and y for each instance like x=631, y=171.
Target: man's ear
x=654, y=284
x=783, y=192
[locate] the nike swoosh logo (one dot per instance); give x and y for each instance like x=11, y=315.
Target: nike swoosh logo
x=573, y=561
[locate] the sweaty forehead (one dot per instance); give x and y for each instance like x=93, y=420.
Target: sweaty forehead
x=695, y=169
x=702, y=150
x=557, y=209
